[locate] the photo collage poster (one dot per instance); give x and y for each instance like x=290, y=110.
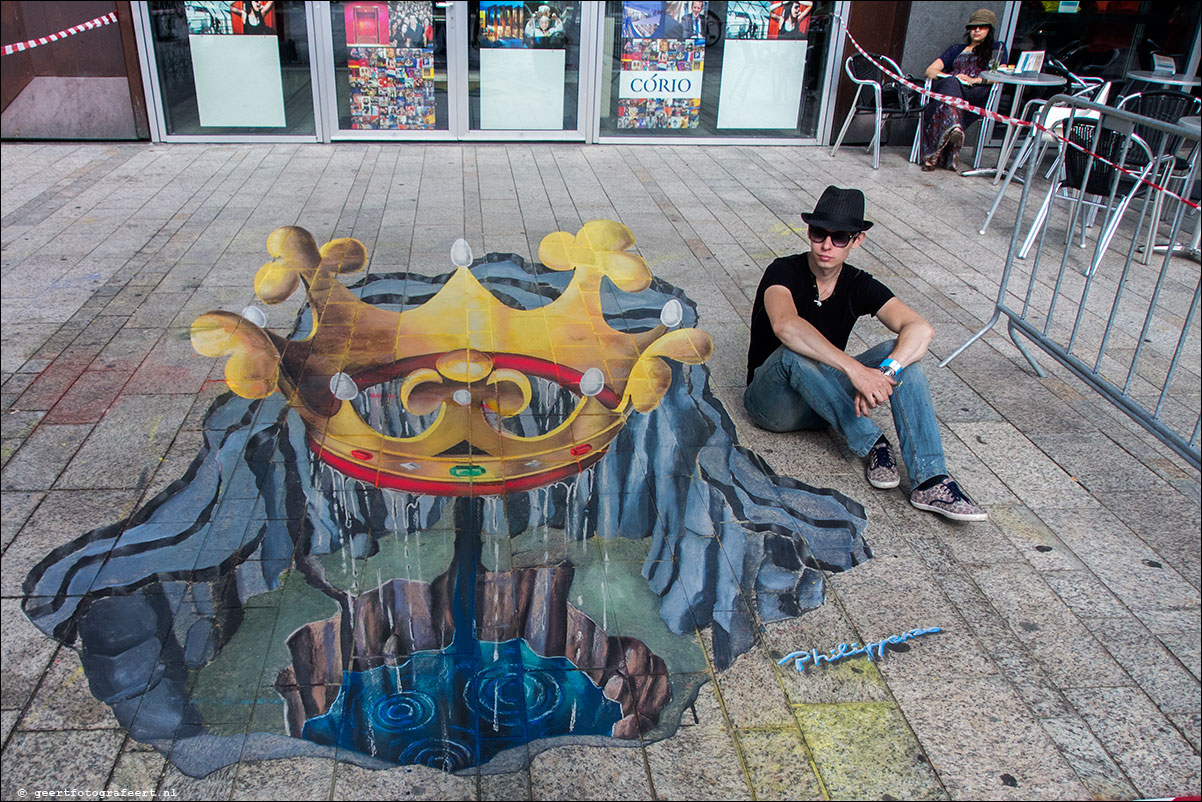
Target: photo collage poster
x=390, y=65
x=659, y=39
x=531, y=24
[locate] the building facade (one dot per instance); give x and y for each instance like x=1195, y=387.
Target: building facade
x=701, y=72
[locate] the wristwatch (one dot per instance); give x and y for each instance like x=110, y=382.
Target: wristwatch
x=890, y=367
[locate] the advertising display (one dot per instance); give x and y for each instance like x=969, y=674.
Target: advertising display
x=390, y=65
x=763, y=69
x=235, y=64
x=663, y=55
x=522, y=49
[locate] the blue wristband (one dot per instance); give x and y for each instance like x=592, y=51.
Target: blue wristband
x=891, y=367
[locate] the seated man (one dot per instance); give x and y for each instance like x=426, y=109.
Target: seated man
x=799, y=375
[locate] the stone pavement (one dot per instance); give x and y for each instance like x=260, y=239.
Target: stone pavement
x=1068, y=664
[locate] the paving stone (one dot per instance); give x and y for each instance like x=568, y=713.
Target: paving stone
x=1062, y=644
x=124, y=449
x=64, y=699
x=42, y=457
x=1037, y=544
x=1129, y=569
x=177, y=785
x=1189, y=724
x=89, y=397
x=137, y=773
x=607, y=773
x=1167, y=521
x=8, y=721
x=914, y=601
x=998, y=640
x=752, y=693
x=58, y=761
x=256, y=779
x=24, y=657
x=993, y=749
x=1146, y=746
x=1084, y=594
x=1169, y=684
x=1031, y=475
x=676, y=774
x=779, y=765
x=852, y=680
x=1088, y=758
x=1187, y=647
x=866, y=751
x=17, y=507
x=511, y=786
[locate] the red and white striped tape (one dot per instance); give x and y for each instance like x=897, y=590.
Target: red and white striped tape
x=961, y=103
x=107, y=19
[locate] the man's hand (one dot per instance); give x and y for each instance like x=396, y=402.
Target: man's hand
x=873, y=388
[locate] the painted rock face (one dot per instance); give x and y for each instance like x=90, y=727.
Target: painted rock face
x=276, y=602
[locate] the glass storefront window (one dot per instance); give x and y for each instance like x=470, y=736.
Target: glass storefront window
x=390, y=64
x=523, y=65
x=237, y=68
x=722, y=68
x=1108, y=39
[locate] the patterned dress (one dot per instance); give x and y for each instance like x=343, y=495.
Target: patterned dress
x=939, y=120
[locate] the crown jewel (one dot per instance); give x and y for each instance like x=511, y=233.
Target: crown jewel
x=464, y=359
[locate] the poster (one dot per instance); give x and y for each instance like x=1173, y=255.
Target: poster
x=390, y=65
x=517, y=24
x=521, y=89
x=767, y=19
x=238, y=82
x=662, y=59
x=764, y=61
x=761, y=84
x=208, y=17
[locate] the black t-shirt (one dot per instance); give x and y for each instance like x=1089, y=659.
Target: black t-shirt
x=856, y=294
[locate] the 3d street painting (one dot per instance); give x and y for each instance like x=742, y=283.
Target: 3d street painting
x=451, y=520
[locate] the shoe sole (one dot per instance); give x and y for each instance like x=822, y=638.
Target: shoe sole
x=955, y=516
x=886, y=485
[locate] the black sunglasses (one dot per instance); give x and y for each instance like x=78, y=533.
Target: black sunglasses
x=840, y=239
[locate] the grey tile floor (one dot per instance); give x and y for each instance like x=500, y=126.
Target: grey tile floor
x=1069, y=662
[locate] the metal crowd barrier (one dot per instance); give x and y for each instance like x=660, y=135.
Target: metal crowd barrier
x=1127, y=329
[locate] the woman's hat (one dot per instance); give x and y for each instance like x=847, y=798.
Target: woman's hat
x=982, y=16
x=839, y=210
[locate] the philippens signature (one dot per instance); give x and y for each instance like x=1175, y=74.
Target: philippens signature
x=814, y=658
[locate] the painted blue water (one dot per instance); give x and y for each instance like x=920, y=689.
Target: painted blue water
x=453, y=710
x=462, y=705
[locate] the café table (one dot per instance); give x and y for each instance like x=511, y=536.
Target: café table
x=1166, y=78
x=1020, y=81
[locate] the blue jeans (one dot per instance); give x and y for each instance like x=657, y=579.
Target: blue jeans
x=791, y=392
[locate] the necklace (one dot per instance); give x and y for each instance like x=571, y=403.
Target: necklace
x=818, y=290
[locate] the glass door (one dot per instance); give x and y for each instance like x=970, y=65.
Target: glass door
x=523, y=76
x=228, y=71
x=390, y=70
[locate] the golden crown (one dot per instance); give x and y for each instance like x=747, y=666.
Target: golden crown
x=463, y=355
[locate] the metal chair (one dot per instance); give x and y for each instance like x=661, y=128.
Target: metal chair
x=890, y=101
x=1037, y=141
x=1165, y=105
x=1089, y=178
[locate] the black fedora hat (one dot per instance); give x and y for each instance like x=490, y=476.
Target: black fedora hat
x=839, y=210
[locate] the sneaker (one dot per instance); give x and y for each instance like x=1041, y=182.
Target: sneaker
x=881, y=470
x=947, y=499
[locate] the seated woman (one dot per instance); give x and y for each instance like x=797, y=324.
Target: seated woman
x=958, y=73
